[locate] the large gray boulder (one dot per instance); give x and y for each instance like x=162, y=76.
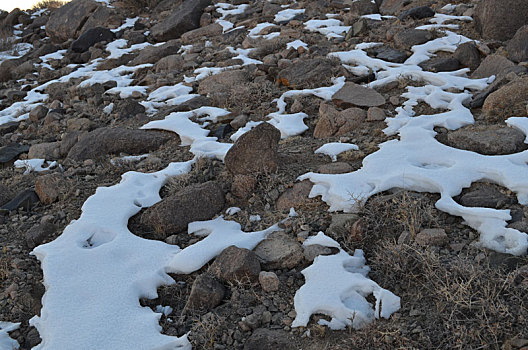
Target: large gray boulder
x=185, y=18
x=500, y=19
x=67, y=21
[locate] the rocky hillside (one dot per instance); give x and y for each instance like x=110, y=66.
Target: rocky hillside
x=330, y=174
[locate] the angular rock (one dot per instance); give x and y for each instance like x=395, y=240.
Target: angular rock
x=255, y=151
x=104, y=141
x=432, y=236
x=487, y=139
x=5, y=194
x=419, y=12
x=219, y=87
x=185, y=18
x=12, y=151
x=208, y=32
x=389, y=54
x=407, y=38
x=314, y=250
x=486, y=197
x=90, y=37
x=206, y=293
x=38, y=113
x=38, y=233
x=153, y=54
x=235, y=265
x=351, y=95
x=508, y=101
x=339, y=227
x=468, y=55
x=65, y=22
x=306, y=73
x=500, y=19
x=26, y=199
x=268, y=281
x=45, y=150
x=266, y=339
x=518, y=46
x=294, y=197
x=375, y=114
x=128, y=108
x=335, y=168
x=491, y=65
x=279, y=251
x=193, y=203
x=51, y=187
x=440, y=64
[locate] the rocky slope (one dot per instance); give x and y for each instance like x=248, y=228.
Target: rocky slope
x=105, y=88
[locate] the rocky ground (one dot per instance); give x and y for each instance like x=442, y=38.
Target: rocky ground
x=454, y=293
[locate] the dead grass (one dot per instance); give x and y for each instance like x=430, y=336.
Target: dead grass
x=207, y=330
x=49, y=4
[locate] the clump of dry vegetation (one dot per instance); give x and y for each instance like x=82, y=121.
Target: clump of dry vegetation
x=49, y=4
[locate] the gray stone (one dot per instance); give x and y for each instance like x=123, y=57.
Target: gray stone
x=268, y=281
x=389, y=54
x=45, y=150
x=419, y=12
x=219, y=87
x=486, y=196
x=500, y=19
x=26, y=199
x=185, y=18
x=255, y=152
x=440, y=64
x=207, y=32
x=153, y=54
x=351, y=95
x=489, y=140
x=236, y=265
x=468, y=55
x=307, y=73
x=37, y=234
x=518, y=46
x=407, y=38
x=65, y=22
x=335, y=168
x=90, y=37
x=38, y=113
x=294, y=197
x=375, y=114
x=362, y=7
x=12, y=151
x=279, y=251
x=193, y=203
x=206, y=293
x=314, y=250
x=491, y=65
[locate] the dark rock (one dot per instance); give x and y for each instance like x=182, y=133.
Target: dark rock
x=185, y=18
x=363, y=7
x=306, y=73
x=407, y=38
x=500, y=19
x=5, y=194
x=39, y=233
x=12, y=18
x=51, y=187
x=152, y=54
x=487, y=139
x=419, y=12
x=351, y=95
x=128, y=108
x=38, y=113
x=255, y=151
x=104, y=141
x=491, y=65
x=389, y=54
x=219, y=87
x=103, y=16
x=235, y=264
x=66, y=21
x=193, y=203
x=279, y=251
x=504, y=261
x=335, y=168
x=468, y=55
x=266, y=339
x=485, y=196
x=8, y=127
x=206, y=293
x=508, y=101
x=90, y=37
x=518, y=46
x=26, y=199
x=440, y=64
x=12, y=151
x=294, y=197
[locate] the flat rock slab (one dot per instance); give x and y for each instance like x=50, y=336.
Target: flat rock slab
x=236, y=265
x=12, y=151
x=489, y=140
x=279, y=251
x=351, y=95
x=508, y=101
x=25, y=199
x=307, y=73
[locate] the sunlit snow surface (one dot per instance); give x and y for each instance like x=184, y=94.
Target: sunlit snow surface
x=417, y=161
x=6, y=343
x=337, y=285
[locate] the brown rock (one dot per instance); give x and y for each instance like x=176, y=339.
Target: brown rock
x=67, y=21
x=407, y=38
x=375, y=114
x=235, y=264
x=193, y=203
x=468, y=55
x=295, y=196
x=334, y=123
x=45, y=150
x=38, y=113
x=219, y=87
x=487, y=139
x=208, y=32
x=335, y=168
x=206, y=293
x=508, y=101
x=243, y=185
x=500, y=19
x=356, y=95
x=307, y=73
x=255, y=151
x=269, y=281
x=51, y=187
x=491, y=65
x=279, y=251
x=518, y=46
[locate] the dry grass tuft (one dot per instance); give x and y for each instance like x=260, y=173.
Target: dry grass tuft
x=49, y=4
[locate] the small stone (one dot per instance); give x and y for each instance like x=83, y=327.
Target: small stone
x=432, y=236
x=279, y=251
x=375, y=114
x=38, y=233
x=236, y=264
x=269, y=281
x=295, y=196
x=51, y=187
x=38, y=113
x=206, y=293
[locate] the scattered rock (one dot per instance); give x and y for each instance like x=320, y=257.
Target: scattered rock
x=279, y=251
x=432, y=236
x=351, y=95
x=39, y=233
x=255, y=151
x=500, y=19
x=489, y=140
x=268, y=281
x=235, y=265
x=487, y=197
x=12, y=151
x=51, y=187
x=206, y=293
x=90, y=37
x=104, y=141
x=508, y=101
x=184, y=18
x=294, y=197
x=518, y=46
x=193, y=203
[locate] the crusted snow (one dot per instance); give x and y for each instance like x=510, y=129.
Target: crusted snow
x=287, y=15
x=332, y=28
x=296, y=44
x=34, y=165
x=333, y=149
x=6, y=343
x=337, y=285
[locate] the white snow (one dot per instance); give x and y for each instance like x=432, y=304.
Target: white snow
x=128, y=159
x=36, y=165
x=227, y=9
x=337, y=285
x=129, y=22
x=6, y=343
x=332, y=149
x=377, y=17
x=232, y=210
x=520, y=123
x=332, y=28
x=165, y=310
x=287, y=15
x=296, y=44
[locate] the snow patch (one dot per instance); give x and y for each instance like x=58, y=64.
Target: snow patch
x=332, y=149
